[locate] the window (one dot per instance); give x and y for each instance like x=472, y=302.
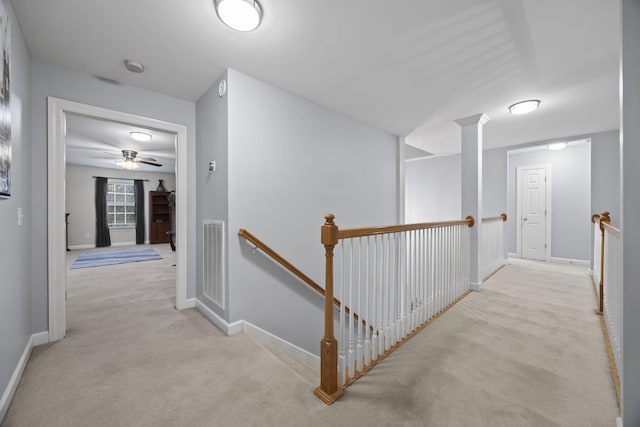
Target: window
x=121, y=204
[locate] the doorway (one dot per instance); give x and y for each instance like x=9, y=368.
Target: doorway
x=56, y=245
x=533, y=201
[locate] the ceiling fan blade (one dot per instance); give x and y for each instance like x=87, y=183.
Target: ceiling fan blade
x=110, y=158
x=148, y=159
x=148, y=163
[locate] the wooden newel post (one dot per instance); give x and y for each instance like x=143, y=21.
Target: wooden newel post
x=604, y=217
x=329, y=390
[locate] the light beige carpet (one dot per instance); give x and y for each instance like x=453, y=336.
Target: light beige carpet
x=525, y=351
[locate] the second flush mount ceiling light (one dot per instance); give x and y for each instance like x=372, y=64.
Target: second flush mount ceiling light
x=241, y=15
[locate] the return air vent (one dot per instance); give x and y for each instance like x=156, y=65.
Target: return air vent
x=213, y=262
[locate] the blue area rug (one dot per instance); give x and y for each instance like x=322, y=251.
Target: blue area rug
x=123, y=256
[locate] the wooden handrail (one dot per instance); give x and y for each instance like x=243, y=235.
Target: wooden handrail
x=287, y=265
x=280, y=260
x=502, y=216
x=387, y=229
x=612, y=228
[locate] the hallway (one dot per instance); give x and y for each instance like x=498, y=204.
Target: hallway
x=525, y=351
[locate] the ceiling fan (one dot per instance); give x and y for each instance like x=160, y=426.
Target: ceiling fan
x=130, y=161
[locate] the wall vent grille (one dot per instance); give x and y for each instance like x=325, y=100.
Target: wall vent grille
x=213, y=262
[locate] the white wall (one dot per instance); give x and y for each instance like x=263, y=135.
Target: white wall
x=15, y=246
x=212, y=137
x=570, y=199
x=52, y=80
x=605, y=174
x=433, y=189
x=80, y=202
x=290, y=162
x=629, y=208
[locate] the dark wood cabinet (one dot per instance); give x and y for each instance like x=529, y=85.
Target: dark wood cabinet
x=160, y=217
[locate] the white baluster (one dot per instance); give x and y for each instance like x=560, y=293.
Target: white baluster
x=359, y=354
x=374, y=306
x=386, y=294
x=367, y=324
x=341, y=340
x=351, y=352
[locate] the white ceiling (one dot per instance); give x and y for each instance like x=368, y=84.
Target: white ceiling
x=410, y=67
x=99, y=143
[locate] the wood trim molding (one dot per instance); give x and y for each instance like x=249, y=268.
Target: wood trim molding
x=373, y=231
x=502, y=217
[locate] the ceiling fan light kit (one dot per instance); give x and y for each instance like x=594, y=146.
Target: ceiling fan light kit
x=241, y=15
x=130, y=162
x=127, y=164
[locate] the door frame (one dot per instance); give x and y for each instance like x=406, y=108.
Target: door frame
x=56, y=114
x=547, y=167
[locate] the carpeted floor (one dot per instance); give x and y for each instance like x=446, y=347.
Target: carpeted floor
x=525, y=351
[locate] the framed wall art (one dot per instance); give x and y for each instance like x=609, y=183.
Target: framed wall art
x=5, y=105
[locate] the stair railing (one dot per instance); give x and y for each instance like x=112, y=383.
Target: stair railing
x=607, y=270
x=492, y=248
x=399, y=278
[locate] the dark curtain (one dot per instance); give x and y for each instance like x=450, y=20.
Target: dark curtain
x=103, y=238
x=138, y=184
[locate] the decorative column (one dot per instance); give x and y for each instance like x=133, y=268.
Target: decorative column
x=471, y=136
x=629, y=208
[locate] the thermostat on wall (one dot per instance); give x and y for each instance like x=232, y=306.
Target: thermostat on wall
x=222, y=87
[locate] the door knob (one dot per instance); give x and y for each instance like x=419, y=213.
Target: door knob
x=524, y=219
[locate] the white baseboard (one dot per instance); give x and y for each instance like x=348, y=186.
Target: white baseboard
x=619, y=422
x=259, y=334
x=475, y=286
x=123, y=244
x=80, y=247
x=189, y=303
x=10, y=390
x=512, y=255
x=585, y=263
x=219, y=322
x=40, y=338
x=267, y=337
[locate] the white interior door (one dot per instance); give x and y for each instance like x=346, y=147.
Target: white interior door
x=533, y=217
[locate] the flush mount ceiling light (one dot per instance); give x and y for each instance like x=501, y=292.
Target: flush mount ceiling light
x=241, y=15
x=140, y=136
x=557, y=146
x=524, y=107
x=133, y=66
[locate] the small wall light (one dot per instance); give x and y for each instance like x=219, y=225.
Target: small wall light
x=241, y=15
x=557, y=146
x=524, y=107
